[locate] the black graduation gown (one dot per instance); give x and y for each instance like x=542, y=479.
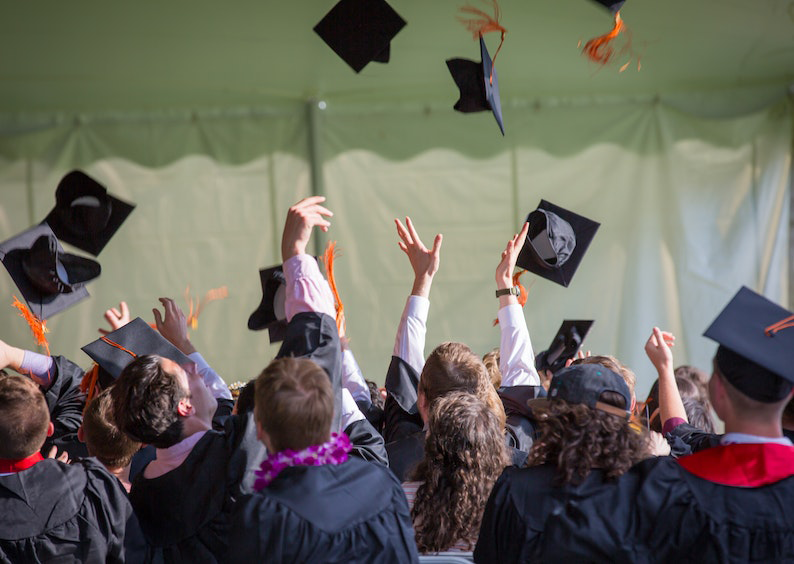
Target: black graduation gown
x=657, y=512
x=66, y=513
x=66, y=403
x=352, y=512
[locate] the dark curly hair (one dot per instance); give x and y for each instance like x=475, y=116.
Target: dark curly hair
x=465, y=453
x=577, y=438
x=145, y=400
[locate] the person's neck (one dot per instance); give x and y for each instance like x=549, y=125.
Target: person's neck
x=193, y=425
x=771, y=429
x=123, y=475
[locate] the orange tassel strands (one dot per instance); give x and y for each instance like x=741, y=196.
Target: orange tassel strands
x=211, y=296
x=599, y=49
x=523, y=292
x=89, y=385
x=329, y=255
x=37, y=326
x=480, y=22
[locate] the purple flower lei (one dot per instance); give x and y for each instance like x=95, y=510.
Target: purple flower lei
x=333, y=452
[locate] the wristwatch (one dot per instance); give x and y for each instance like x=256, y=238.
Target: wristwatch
x=512, y=291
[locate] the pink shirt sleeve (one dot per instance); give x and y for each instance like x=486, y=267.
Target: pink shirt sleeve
x=307, y=290
x=671, y=424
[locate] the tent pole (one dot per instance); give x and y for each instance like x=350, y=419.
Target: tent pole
x=313, y=109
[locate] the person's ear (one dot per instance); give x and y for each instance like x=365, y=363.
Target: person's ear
x=50, y=429
x=263, y=437
x=80, y=434
x=184, y=408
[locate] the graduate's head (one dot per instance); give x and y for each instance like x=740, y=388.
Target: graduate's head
x=24, y=418
x=102, y=438
x=615, y=366
x=453, y=367
x=584, y=424
x=294, y=404
x=491, y=362
x=158, y=402
x=742, y=390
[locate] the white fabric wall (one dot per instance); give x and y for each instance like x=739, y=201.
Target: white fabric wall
x=691, y=209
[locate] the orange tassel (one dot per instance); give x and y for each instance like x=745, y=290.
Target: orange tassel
x=481, y=23
x=37, y=326
x=599, y=49
x=523, y=292
x=89, y=385
x=211, y=296
x=328, y=260
x=786, y=323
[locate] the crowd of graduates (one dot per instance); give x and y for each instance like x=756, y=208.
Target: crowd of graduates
x=514, y=457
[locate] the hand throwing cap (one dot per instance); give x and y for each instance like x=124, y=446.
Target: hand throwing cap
x=556, y=242
x=49, y=279
x=116, y=350
x=270, y=314
x=360, y=31
x=85, y=215
x=757, y=346
x=477, y=92
x=564, y=346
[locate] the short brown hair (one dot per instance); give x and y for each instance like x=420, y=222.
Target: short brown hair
x=614, y=365
x=491, y=362
x=103, y=439
x=294, y=403
x=453, y=367
x=25, y=417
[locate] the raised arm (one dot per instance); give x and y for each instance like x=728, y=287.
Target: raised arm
x=658, y=349
x=516, y=357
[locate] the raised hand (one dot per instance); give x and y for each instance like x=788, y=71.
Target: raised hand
x=173, y=326
x=504, y=270
x=301, y=219
x=658, y=348
x=10, y=357
x=117, y=317
x=424, y=261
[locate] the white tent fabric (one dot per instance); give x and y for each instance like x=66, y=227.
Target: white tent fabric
x=691, y=209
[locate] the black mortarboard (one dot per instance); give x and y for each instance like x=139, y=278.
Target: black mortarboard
x=757, y=346
x=477, y=93
x=612, y=5
x=85, y=214
x=270, y=313
x=564, y=346
x=116, y=350
x=49, y=279
x=359, y=31
x=556, y=242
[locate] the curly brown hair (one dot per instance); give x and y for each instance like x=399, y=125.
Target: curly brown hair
x=577, y=438
x=464, y=454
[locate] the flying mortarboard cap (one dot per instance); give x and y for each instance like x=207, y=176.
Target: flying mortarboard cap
x=85, y=214
x=359, y=31
x=556, y=242
x=270, y=314
x=49, y=279
x=564, y=346
x=477, y=93
x=116, y=350
x=613, y=6
x=757, y=346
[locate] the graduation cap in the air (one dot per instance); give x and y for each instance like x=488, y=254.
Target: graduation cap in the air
x=85, y=214
x=599, y=49
x=360, y=31
x=564, y=346
x=49, y=279
x=757, y=346
x=116, y=350
x=556, y=242
x=270, y=314
x=478, y=93
x=613, y=6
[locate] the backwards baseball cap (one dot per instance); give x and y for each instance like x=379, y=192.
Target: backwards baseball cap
x=360, y=31
x=556, y=242
x=478, y=93
x=756, y=352
x=85, y=214
x=584, y=383
x=116, y=350
x=564, y=346
x=49, y=279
